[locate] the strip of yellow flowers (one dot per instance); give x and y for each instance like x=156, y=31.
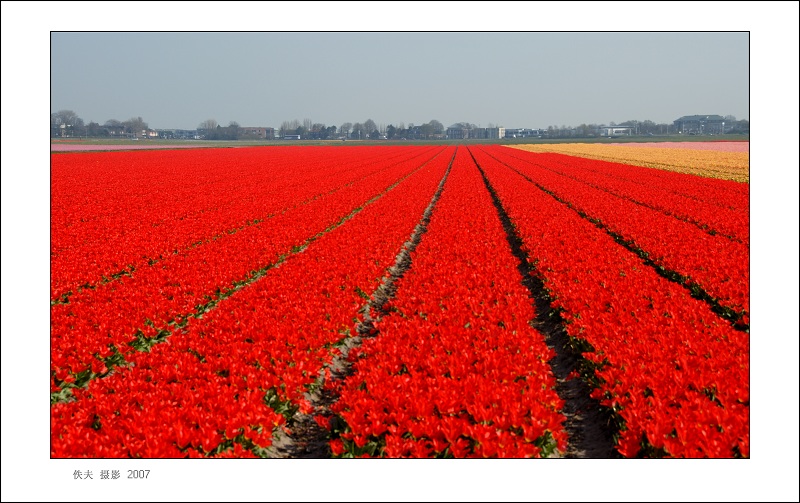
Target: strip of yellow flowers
x=708, y=163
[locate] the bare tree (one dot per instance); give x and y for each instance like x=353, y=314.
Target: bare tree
x=135, y=126
x=436, y=127
x=426, y=130
x=344, y=129
x=114, y=127
x=289, y=127
x=94, y=129
x=208, y=125
x=67, y=117
x=234, y=130
x=65, y=123
x=318, y=131
x=359, y=131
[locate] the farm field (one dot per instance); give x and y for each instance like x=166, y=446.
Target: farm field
x=723, y=159
x=424, y=301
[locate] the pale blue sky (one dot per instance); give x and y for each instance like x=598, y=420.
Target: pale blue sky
x=511, y=79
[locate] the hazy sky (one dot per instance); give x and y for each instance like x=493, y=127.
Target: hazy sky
x=511, y=79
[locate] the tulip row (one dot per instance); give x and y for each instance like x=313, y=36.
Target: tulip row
x=723, y=193
x=719, y=266
x=112, y=213
x=675, y=374
x=111, y=319
x=713, y=218
x=456, y=370
x=717, y=146
x=227, y=380
x=723, y=165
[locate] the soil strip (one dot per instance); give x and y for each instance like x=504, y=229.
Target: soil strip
x=308, y=439
x=180, y=322
x=588, y=423
x=735, y=318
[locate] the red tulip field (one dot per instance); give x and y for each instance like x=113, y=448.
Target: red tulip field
x=416, y=301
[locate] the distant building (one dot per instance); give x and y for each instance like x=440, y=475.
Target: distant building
x=261, y=133
x=457, y=133
x=614, y=131
x=488, y=133
x=414, y=133
x=291, y=137
x=521, y=133
x=115, y=130
x=186, y=134
x=180, y=134
x=701, y=124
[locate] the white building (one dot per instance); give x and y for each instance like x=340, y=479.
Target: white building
x=614, y=131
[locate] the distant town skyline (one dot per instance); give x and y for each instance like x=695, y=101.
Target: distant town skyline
x=383, y=125
x=518, y=79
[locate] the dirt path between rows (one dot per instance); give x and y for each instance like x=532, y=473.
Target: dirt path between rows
x=587, y=425
x=308, y=439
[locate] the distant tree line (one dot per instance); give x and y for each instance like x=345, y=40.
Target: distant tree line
x=646, y=127
x=66, y=123
x=368, y=129
x=307, y=130
x=210, y=130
